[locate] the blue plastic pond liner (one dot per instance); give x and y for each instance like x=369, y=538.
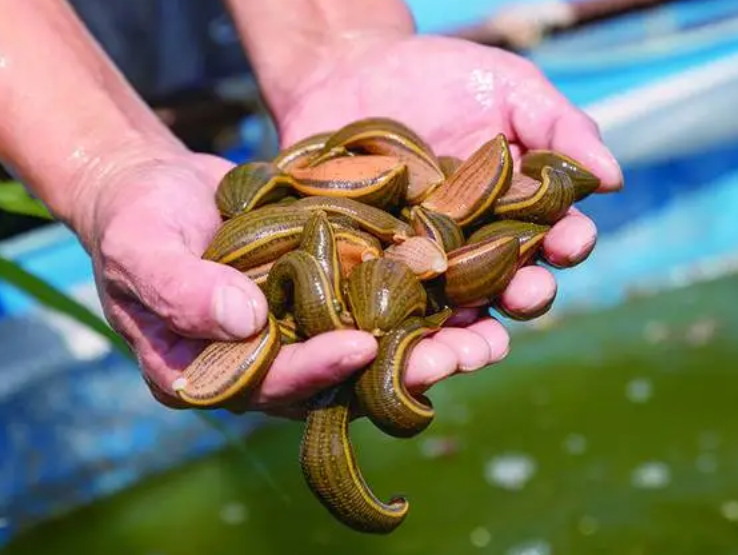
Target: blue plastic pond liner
x=85, y=430
x=697, y=229
x=650, y=188
x=608, y=57
x=440, y=17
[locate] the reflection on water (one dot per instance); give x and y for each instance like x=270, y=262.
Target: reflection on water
x=612, y=432
x=532, y=547
x=510, y=471
x=651, y=475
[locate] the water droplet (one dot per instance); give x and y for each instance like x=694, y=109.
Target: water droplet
x=480, y=537
x=651, y=475
x=4, y=523
x=639, y=390
x=234, y=513
x=511, y=471
x=533, y=547
x=576, y=444
x=588, y=525
x=655, y=332
x=482, y=86
x=730, y=510
x=706, y=463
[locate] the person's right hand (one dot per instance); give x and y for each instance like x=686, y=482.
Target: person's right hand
x=146, y=219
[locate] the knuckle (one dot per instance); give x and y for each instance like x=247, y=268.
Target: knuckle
x=113, y=253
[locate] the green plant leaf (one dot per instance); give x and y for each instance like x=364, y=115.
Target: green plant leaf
x=14, y=198
x=51, y=297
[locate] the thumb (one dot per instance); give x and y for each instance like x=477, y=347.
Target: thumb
x=195, y=297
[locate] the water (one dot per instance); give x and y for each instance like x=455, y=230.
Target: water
x=591, y=438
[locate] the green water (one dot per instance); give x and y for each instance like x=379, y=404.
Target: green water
x=608, y=433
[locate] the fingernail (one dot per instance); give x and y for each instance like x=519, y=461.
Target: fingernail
x=619, y=181
x=582, y=252
x=502, y=356
x=473, y=368
x=601, y=161
x=179, y=384
x=235, y=311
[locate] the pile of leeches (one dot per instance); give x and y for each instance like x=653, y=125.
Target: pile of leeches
x=367, y=228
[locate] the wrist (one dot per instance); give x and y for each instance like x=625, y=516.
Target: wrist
x=338, y=54
x=96, y=182
x=66, y=116
x=293, y=44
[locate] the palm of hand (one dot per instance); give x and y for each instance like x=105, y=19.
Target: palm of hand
x=455, y=94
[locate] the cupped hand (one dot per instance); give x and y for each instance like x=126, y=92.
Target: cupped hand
x=458, y=95
x=152, y=217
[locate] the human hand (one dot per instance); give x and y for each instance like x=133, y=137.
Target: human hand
x=152, y=215
x=457, y=95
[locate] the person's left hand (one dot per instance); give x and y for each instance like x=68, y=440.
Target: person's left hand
x=458, y=95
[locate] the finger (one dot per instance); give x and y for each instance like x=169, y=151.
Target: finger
x=215, y=166
x=462, y=317
x=573, y=133
x=303, y=369
x=496, y=336
x=162, y=397
x=570, y=241
x=532, y=289
x=543, y=118
x=471, y=349
x=430, y=362
x=194, y=297
x=161, y=353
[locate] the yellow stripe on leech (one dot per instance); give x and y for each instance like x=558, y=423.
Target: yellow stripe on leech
x=335, y=319
x=354, y=240
x=524, y=203
x=402, y=141
x=531, y=243
x=254, y=245
x=397, y=360
x=243, y=382
x=358, y=480
x=473, y=255
x=360, y=189
x=489, y=199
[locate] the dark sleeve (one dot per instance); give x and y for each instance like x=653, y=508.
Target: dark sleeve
x=166, y=46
